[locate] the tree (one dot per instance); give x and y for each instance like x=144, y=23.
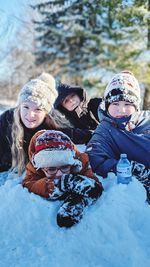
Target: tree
x=76, y=37
x=69, y=32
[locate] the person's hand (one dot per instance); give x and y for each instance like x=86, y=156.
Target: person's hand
x=50, y=185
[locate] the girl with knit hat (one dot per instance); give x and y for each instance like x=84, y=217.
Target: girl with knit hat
x=123, y=128
x=58, y=171
x=19, y=124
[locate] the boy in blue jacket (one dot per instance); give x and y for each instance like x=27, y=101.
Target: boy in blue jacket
x=123, y=128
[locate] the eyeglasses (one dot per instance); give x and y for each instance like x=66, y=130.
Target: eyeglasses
x=54, y=170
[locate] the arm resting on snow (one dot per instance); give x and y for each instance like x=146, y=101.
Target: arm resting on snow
x=36, y=182
x=100, y=161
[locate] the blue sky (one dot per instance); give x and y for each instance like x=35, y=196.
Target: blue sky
x=11, y=20
x=10, y=12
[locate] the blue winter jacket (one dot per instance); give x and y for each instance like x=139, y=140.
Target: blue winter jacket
x=111, y=138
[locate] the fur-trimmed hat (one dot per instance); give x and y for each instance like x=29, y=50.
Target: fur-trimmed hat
x=123, y=87
x=64, y=90
x=38, y=92
x=50, y=81
x=54, y=148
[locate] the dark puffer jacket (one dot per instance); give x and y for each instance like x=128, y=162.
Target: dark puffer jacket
x=85, y=115
x=113, y=137
x=6, y=121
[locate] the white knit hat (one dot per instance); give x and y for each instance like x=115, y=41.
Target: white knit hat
x=123, y=87
x=50, y=81
x=38, y=92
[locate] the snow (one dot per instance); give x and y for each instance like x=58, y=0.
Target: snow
x=114, y=232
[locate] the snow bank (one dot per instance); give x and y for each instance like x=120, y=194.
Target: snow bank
x=113, y=233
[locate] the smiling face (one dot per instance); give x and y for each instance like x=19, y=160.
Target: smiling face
x=31, y=114
x=121, y=109
x=71, y=102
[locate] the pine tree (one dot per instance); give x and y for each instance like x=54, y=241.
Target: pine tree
x=69, y=31
x=77, y=36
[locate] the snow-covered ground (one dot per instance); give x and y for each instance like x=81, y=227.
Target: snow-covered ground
x=113, y=233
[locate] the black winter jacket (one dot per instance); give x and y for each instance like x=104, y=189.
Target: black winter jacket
x=85, y=116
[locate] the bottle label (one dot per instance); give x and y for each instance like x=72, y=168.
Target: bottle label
x=124, y=172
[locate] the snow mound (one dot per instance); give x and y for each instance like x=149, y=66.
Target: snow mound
x=113, y=233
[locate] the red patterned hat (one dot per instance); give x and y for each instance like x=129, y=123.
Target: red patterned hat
x=52, y=149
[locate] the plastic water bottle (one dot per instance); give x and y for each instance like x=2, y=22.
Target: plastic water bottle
x=124, y=174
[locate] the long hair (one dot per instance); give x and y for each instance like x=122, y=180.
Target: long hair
x=18, y=155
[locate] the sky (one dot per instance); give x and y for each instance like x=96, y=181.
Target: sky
x=12, y=19
x=114, y=232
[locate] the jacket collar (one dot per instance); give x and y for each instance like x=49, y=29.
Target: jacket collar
x=125, y=123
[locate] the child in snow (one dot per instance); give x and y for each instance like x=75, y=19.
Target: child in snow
x=58, y=171
x=76, y=132
x=73, y=106
x=123, y=128
x=19, y=124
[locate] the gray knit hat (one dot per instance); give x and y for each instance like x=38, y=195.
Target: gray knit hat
x=38, y=92
x=123, y=87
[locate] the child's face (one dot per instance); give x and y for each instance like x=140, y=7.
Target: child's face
x=121, y=109
x=57, y=172
x=31, y=115
x=71, y=102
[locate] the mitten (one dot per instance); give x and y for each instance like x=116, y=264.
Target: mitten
x=57, y=192
x=81, y=185
x=141, y=172
x=143, y=175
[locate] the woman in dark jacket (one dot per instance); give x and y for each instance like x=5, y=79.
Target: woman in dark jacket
x=8, y=138
x=18, y=125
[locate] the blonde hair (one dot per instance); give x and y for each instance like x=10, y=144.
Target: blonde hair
x=18, y=155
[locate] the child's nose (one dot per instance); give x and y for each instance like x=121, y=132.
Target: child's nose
x=31, y=113
x=123, y=109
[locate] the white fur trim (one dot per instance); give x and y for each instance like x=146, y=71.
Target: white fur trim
x=50, y=158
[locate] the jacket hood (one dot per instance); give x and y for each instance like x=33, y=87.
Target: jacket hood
x=65, y=90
